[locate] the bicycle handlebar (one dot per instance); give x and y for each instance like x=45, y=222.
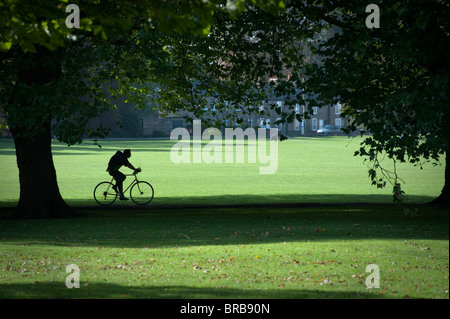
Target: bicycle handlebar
x=138, y=170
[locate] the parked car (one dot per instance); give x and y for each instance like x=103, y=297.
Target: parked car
x=329, y=130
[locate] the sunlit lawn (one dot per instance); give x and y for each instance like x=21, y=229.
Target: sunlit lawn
x=240, y=252
x=228, y=253
x=309, y=170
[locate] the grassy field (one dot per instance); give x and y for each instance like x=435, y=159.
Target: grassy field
x=228, y=253
x=309, y=170
x=302, y=251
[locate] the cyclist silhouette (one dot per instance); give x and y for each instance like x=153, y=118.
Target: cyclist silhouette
x=115, y=163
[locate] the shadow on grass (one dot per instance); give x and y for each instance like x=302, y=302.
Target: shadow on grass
x=88, y=290
x=89, y=148
x=245, y=200
x=174, y=227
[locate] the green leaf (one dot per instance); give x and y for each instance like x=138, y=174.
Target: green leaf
x=5, y=46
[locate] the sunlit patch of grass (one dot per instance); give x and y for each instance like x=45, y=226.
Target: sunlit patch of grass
x=310, y=170
x=228, y=253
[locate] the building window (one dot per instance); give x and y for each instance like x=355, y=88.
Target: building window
x=337, y=108
x=250, y=122
x=315, y=108
x=314, y=124
x=337, y=122
x=296, y=125
x=177, y=123
x=280, y=126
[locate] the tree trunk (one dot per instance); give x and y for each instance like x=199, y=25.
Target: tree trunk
x=30, y=127
x=39, y=192
x=443, y=198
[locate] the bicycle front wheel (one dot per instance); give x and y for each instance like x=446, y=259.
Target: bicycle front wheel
x=141, y=193
x=104, y=194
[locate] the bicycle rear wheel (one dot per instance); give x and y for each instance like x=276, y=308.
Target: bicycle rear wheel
x=141, y=193
x=104, y=193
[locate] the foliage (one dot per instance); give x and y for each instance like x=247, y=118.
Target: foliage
x=32, y=23
x=250, y=53
x=125, y=45
x=392, y=80
x=389, y=80
x=238, y=65
x=30, y=95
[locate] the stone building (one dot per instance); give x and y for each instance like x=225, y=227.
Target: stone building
x=159, y=126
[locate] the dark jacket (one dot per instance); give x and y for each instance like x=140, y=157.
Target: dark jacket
x=117, y=161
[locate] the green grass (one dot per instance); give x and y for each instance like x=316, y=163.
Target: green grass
x=228, y=253
x=162, y=251
x=310, y=170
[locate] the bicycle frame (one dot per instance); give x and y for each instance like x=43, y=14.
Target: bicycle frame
x=141, y=192
x=131, y=184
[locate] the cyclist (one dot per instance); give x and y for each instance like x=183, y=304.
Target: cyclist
x=115, y=163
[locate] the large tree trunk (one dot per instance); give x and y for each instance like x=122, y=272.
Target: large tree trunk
x=39, y=192
x=31, y=130
x=443, y=198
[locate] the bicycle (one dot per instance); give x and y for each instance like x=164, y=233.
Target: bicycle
x=141, y=192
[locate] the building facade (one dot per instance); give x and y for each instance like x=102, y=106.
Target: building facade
x=264, y=115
